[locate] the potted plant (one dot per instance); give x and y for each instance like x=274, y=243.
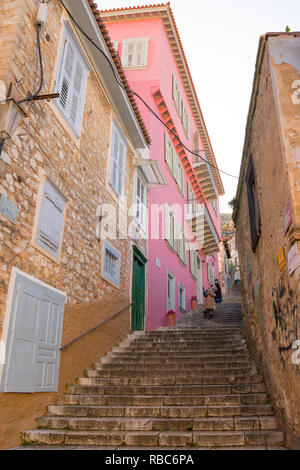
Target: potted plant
x=194, y=302
x=171, y=318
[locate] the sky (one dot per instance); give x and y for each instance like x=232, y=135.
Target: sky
x=220, y=40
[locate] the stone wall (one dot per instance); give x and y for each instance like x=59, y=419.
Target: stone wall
x=270, y=297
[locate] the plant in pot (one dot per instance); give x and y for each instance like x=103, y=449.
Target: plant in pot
x=171, y=318
x=194, y=302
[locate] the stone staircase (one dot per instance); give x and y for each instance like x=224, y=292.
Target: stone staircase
x=190, y=387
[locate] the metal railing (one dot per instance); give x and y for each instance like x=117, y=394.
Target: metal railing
x=95, y=327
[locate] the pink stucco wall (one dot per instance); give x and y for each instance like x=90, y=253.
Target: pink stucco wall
x=161, y=67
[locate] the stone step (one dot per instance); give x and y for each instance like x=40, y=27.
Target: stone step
x=154, y=357
x=155, y=438
x=171, y=380
x=78, y=394
x=182, y=349
x=187, y=343
x=145, y=365
x=166, y=372
x=166, y=411
x=161, y=400
x=191, y=423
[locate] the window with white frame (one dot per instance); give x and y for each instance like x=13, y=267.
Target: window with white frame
x=174, y=164
x=141, y=202
x=111, y=264
x=71, y=79
x=185, y=120
x=135, y=52
x=193, y=261
x=170, y=291
x=176, y=95
x=51, y=219
x=210, y=274
x=191, y=199
x=169, y=226
x=181, y=296
x=180, y=243
x=117, y=160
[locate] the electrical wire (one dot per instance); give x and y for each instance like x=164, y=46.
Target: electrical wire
x=128, y=90
x=29, y=98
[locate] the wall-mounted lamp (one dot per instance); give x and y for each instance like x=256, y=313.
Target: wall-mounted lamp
x=11, y=114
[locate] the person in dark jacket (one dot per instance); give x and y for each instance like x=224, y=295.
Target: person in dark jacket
x=218, y=292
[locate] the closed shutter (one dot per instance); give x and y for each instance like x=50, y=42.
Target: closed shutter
x=71, y=82
x=168, y=152
x=193, y=261
x=51, y=219
x=117, y=161
x=34, y=337
x=169, y=226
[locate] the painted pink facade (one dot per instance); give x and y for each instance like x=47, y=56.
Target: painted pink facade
x=152, y=81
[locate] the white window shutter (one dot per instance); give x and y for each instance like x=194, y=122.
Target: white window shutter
x=117, y=161
x=51, y=218
x=66, y=74
x=71, y=81
x=168, y=151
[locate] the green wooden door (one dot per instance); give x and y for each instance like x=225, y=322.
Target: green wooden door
x=138, y=291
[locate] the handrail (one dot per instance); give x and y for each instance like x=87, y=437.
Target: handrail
x=95, y=327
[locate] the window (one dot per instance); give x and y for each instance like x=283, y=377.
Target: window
x=254, y=215
x=185, y=121
x=169, y=151
x=181, y=297
x=176, y=95
x=180, y=243
x=117, y=160
x=191, y=199
x=169, y=226
x=174, y=164
x=135, y=53
x=51, y=219
x=141, y=202
x=170, y=291
x=71, y=80
x=111, y=264
x=193, y=261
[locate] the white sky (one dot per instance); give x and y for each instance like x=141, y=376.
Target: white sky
x=220, y=40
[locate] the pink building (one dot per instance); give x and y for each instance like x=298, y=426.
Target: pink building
x=183, y=226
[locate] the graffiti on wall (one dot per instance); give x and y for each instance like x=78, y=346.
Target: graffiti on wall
x=286, y=311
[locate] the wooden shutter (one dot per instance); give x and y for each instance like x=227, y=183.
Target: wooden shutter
x=71, y=82
x=168, y=152
x=169, y=225
x=117, y=161
x=51, y=218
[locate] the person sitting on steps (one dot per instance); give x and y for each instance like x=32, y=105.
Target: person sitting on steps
x=209, y=303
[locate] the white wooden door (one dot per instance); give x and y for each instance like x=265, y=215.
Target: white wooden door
x=33, y=336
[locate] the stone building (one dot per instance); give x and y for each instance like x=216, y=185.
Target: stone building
x=267, y=220
x=66, y=174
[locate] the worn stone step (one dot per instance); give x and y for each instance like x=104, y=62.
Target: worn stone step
x=175, y=365
x=78, y=394
x=140, y=400
x=155, y=438
x=176, y=357
x=165, y=411
x=107, y=370
x=191, y=423
x=187, y=343
x=191, y=351
x=192, y=379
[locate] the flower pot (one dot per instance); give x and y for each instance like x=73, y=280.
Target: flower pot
x=194, y=304
x=171, y=320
